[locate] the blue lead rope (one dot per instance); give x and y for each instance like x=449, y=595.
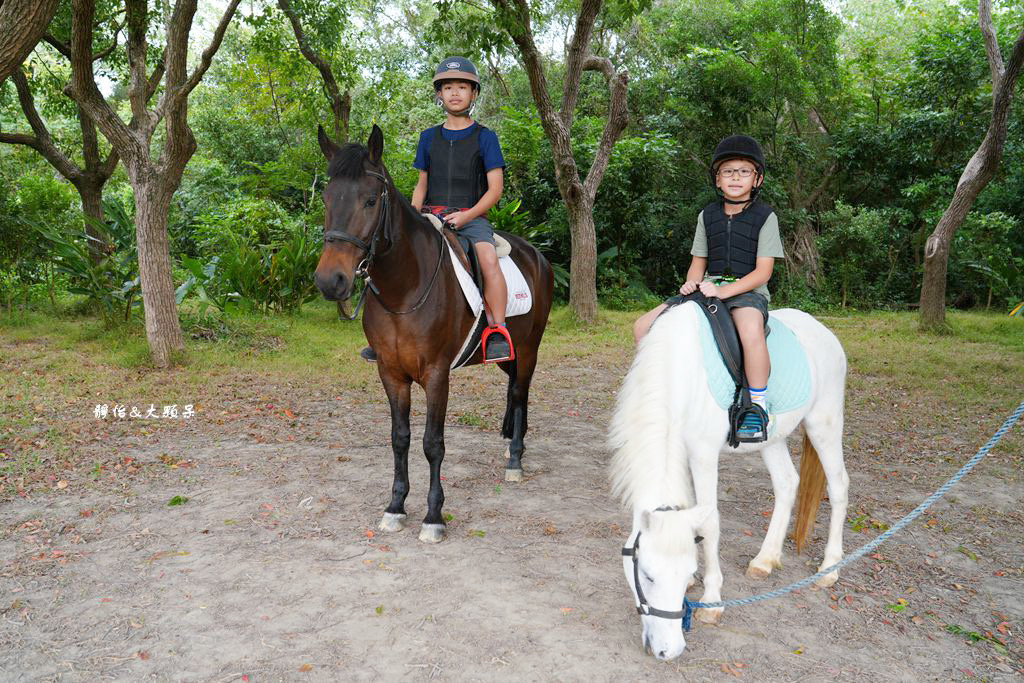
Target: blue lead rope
x=689, y=606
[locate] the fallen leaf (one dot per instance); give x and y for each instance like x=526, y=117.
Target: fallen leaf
x=85, y=513
x=143, y=654
x=565, y=610
x=305, y=667
x=379, y=610
x=291, y=415
x=370, y=533
x=62, y=484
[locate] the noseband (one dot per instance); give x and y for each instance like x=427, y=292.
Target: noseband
x=644, y=608
x=370, y=251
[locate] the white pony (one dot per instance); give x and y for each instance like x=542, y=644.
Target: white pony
x=666, y=436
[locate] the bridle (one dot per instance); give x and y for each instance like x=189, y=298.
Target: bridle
x=370, y=251
x=645, y=608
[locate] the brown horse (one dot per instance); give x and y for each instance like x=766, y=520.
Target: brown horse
x=416, y=316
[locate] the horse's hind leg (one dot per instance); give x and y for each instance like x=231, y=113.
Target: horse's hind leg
x=514, y=426
x=784, y=482
x=826, y=436
x=397, y=390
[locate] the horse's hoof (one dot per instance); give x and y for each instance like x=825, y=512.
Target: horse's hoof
x=709, y=616
x=392, y=521
x=828, y=580
x=514, y=475
x=761, y=568
x=432, y=533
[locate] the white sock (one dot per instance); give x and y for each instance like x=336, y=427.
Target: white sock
x=759, y=396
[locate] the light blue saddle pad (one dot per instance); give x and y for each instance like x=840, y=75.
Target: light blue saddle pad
x=789, y=386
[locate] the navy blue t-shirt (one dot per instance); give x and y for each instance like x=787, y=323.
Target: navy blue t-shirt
x=490, y=150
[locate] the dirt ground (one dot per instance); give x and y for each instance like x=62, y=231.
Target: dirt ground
x=272, y=568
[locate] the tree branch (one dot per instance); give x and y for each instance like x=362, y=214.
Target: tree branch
x=61, y=47
x=83, y=84
x=326, y=73
x=988, y=33
x=618, y=117
x=577, y=56
x=42, y=142
x=22, y=24
x=209, y=52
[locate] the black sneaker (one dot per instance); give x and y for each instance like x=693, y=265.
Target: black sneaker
x=369, y=355
x=754, y=426
x=497, y=345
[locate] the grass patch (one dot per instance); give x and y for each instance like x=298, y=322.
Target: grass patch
x=57, y=367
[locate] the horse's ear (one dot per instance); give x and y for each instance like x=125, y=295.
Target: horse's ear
x=646, y=518
x=326, y=144
x=376, y=144
x=698, y=515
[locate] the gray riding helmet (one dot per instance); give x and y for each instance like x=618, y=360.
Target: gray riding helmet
x=456, y=69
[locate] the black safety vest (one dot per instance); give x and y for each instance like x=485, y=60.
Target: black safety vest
x=732, y=240
x=456, y=176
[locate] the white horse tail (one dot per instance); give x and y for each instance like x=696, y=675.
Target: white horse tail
x=809, y=494
x=646, y=432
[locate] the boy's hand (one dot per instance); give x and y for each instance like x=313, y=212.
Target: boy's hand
x=458, y=219
x=709, y=289
x=689, y=287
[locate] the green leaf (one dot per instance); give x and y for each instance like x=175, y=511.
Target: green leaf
x=177, y=500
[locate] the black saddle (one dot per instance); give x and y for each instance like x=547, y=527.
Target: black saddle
x=728, y=341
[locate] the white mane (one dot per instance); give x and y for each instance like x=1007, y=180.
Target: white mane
x=649, y=465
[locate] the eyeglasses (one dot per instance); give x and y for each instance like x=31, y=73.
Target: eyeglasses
x=734, y=172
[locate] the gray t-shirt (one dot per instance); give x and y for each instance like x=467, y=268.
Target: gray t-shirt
x=769, y=243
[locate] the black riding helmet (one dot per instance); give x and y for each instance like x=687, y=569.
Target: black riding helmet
x=738, y=147
x=456, y=69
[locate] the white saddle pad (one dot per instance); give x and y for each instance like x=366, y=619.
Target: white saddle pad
x=520, y=300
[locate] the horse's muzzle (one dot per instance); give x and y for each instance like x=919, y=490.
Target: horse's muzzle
x=334, y=286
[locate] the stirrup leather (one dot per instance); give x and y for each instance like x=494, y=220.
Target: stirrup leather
x=497, y=344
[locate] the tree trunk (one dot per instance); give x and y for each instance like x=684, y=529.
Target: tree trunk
x=979, y=171
x=583, y=260
x=22, y=24
x=163, y=330
x=91, y=194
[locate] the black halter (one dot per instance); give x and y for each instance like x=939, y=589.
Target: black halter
x=370, y=251
x=644, y=608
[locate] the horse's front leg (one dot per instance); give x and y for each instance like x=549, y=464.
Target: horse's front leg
x=397, y=389
x=784, y=482
x=704, y=470
x=436, y=387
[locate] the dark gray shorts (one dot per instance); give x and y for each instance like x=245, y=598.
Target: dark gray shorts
x=478, y=230
x=744, y=300
x=749, y=300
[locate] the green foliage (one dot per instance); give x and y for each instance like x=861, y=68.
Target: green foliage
x=864, y=250
x=108, y=280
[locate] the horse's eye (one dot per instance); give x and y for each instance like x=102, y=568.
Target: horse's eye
x=370, y=202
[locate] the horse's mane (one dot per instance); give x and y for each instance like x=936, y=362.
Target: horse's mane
x=649, y=462
x=348, y=162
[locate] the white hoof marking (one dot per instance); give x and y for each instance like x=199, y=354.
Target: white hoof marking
x=392, y=522
x=432, y=533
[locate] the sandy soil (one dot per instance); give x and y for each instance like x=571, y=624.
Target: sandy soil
x=271, y=569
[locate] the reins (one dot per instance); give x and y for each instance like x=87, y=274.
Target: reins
x=370, y=251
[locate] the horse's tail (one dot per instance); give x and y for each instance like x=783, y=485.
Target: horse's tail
x=809, y=494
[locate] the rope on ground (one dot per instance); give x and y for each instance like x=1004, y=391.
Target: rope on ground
x=872, y=544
